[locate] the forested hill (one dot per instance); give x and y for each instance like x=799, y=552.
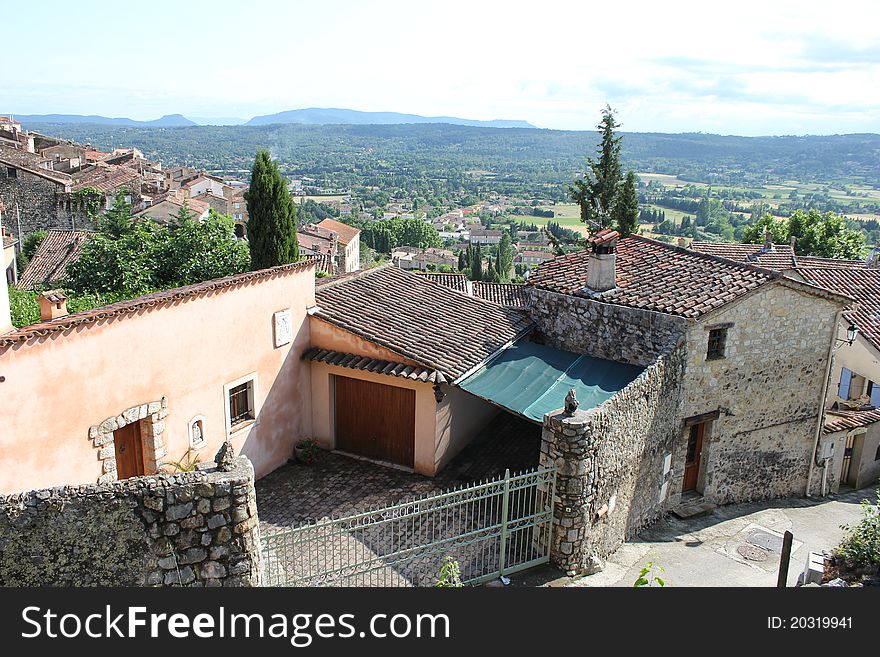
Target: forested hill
x=359, y=153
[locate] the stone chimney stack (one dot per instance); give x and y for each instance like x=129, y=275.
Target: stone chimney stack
x=5, y=316
x=53, y=304
x=602, y=268
x=768, y=239
x=682, y=242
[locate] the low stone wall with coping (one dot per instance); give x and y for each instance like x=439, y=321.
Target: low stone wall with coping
x=614, y=464
x=189, y=529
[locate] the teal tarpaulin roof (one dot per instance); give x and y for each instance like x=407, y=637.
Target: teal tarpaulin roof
x=532, y=379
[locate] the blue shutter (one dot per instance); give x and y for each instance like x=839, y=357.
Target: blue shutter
x=875, y=395
x=845, y=378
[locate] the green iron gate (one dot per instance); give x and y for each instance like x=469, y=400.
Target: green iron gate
x=491, y=528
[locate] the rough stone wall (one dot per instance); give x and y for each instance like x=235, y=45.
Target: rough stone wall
x=613, y=464
x=767, y=392
x=191, y=529
x=40, y=202
x=587, y=326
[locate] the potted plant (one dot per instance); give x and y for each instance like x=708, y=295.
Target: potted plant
x=305, y=450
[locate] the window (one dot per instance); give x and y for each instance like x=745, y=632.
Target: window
x=11, y=172
x=241, y=408
x=717, y=342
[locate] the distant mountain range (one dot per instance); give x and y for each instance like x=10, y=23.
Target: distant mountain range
x=328, y=116
x=167, y=121
x=310, y=116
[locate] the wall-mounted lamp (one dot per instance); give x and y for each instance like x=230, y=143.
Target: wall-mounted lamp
x=851, y=334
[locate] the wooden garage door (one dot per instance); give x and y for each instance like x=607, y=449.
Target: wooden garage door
x=375, y=420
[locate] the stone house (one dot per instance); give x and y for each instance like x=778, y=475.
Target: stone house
x=34, y=195
x=484, y=236
x=745, y=331
x=348, y=244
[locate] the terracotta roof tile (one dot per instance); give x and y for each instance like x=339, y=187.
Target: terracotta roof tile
x=423, y=321
x=457, y=282
x=504, y=294
x=863, y=285
x=345, y=232
x=815, y=262
x=846, y=420
x=781, y=258
x=655, y=276
x=107, y=178
x=43, y=329
x=50, y=260
x=374, y=365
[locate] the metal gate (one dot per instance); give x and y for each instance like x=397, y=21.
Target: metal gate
x=491, y=528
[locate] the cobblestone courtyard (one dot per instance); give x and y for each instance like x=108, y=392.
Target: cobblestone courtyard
x=336, y=485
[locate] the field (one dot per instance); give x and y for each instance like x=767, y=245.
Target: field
x=567, y=215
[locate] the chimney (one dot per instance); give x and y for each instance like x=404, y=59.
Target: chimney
x=682, y=242
x=53, y=304
x=5, y=316
x=768, y=239
x=873, y=260
x=602, y=268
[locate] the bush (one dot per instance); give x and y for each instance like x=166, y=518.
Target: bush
x=860, y=547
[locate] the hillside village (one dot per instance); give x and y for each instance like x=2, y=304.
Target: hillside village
x=629, y=380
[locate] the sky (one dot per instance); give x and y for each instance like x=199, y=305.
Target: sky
x=748, y=68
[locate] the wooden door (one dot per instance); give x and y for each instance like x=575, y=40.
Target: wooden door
x=129, y=451
x=692, y=458
x=847, y=460
x=376, y=420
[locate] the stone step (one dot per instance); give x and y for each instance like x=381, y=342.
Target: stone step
x=692, y=509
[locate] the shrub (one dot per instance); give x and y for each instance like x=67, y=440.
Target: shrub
x=860, y=546
x=450, y=574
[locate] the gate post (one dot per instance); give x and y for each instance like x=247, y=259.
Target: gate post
x=565, y=446
x=505, y=511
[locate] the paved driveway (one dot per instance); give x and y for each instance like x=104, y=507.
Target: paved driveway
x=719, y=549
x=337, y=485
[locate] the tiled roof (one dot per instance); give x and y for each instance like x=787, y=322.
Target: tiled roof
x=345, y=232
x=815, y=262
x=655, y=276
x=374, y=365
x=420, y=320
x=107, y=178
x=504, y=294
x=162, y=211
x=315, y=244
x=846, y=420
x=863, y=285
x=50, y=260
x=15, y=157
x=781, y=258
x=9, y=240
x=456, y=282
x=43, y=329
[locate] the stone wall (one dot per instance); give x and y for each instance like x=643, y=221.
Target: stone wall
x=587, y=326
x=192, y=529
x=41, y=203
x=613, y=464
x=766, y=392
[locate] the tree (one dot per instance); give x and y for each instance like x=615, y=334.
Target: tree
x=626, y=207
x=815, y=234
x=272, y=216
x=462, y=261
x=117, y=220
x=198, y=251
x=505, y=257
x=596, y=192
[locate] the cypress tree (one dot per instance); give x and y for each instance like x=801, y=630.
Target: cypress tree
x=272, y=216
x=626, y=207
x=597, y=191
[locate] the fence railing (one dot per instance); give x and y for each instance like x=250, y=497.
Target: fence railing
x=490, y=528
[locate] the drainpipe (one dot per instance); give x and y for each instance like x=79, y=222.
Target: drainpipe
x=822, y=399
